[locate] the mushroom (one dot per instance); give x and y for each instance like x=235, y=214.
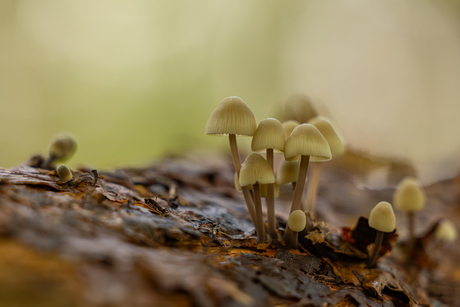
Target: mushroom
x=337, y=149
x=256, y=170
x=269, y=136
x=233, y=117
x=299, y=108
x=297, y=222
x=409, y=197
x=307, y=142
x=288, y=126
x=382, y=219
x=62, y=148
x=64, y=173
x=446, y=231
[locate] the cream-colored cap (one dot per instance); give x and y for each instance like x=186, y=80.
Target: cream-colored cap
x=288, y=126
x=269, y=134
x=64, y=173
x=446, y=231
x=297, y=220
x=256, y=169
x=306, y=140
x=327, y=130
x=263, y=190
x=287, y=172
x=299, y=108
x=237, y=184
x=382, y=217
x=63, y=147
x=232, y=116
x=409, y=196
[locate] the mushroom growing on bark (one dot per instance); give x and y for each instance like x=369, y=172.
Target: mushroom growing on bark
x=337, y=149
x=307, y=142
x=233, y=117
x=269, y=136
x=409, y=197
x=297, y=222
x=382, y=219
x=446, y=231
x=64, y=173
x=62, y=148
x=255, y=171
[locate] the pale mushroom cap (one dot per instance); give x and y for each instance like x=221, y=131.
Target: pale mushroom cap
x=297, y=220
x=409, y=196
x=288, y=126
x=263, y=190
x=382, y=217
x=237, y=184
x=327, y=130
x=299, y=107
x=64, y=173
x=446, y=231
x=256, y=169
x=232, y=116
x=306, y=140
x=287, y=172
x=63, y=147
x=269, y=134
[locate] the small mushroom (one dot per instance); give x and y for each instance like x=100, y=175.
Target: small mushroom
x=337, y=149
x=255, y=171
x=297, y=222
x=409, y=197
x=446, y=231
x=382, y=219
x=64, y=173
x=233, y=117
x=62, y=148
x=307, y=142
x=269, y=136
x=289, y=126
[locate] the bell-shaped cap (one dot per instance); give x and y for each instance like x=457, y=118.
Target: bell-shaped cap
x=327, y=130
x=263, y=190
x=64, y=173
x=63, y=147
x=237, y=184
x=297, y=220
x=409, y=196
x=299, y=108
x=287, y=172
x=306, y=140
x=269, y=134
x=289, y=126
x=256, y=169
x=382, y=217
x=446, y=231
x=232, y=116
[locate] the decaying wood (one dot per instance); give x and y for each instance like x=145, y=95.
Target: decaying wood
x=178, y=234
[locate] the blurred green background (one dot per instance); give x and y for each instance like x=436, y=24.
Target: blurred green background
x=136, y=80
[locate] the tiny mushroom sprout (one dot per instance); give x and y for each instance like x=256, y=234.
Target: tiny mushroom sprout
x=64, y=173
x=307, y=142
x=337, y=149
x=409, y=197
x=446, y=231
x=233, y=117
x=269, y=136
x=297, y=222
x=62, y=148
x=382, y=219
x=288, y=126
x=255, y=171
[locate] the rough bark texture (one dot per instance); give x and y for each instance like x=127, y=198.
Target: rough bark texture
x=178, y=234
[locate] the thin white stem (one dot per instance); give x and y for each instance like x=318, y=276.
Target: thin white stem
x=271, y=200
x=312, y=185
x=260, y=220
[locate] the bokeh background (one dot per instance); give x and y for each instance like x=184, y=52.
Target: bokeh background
x=137, y=80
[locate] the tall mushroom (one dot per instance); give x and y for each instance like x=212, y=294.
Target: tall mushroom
x=255, y=171
x=307, y=142
x=233, y=117
x=337, y=148
x=269, y=136
x=382, y=219
x=409, y=197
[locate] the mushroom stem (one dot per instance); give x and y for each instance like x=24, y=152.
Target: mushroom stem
x=296, y=202
x=235, y=155
x=260, y=221
x=410, y=221
x=375, y=252
x=312, y=186
x=248, y=198
x=271, y=200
